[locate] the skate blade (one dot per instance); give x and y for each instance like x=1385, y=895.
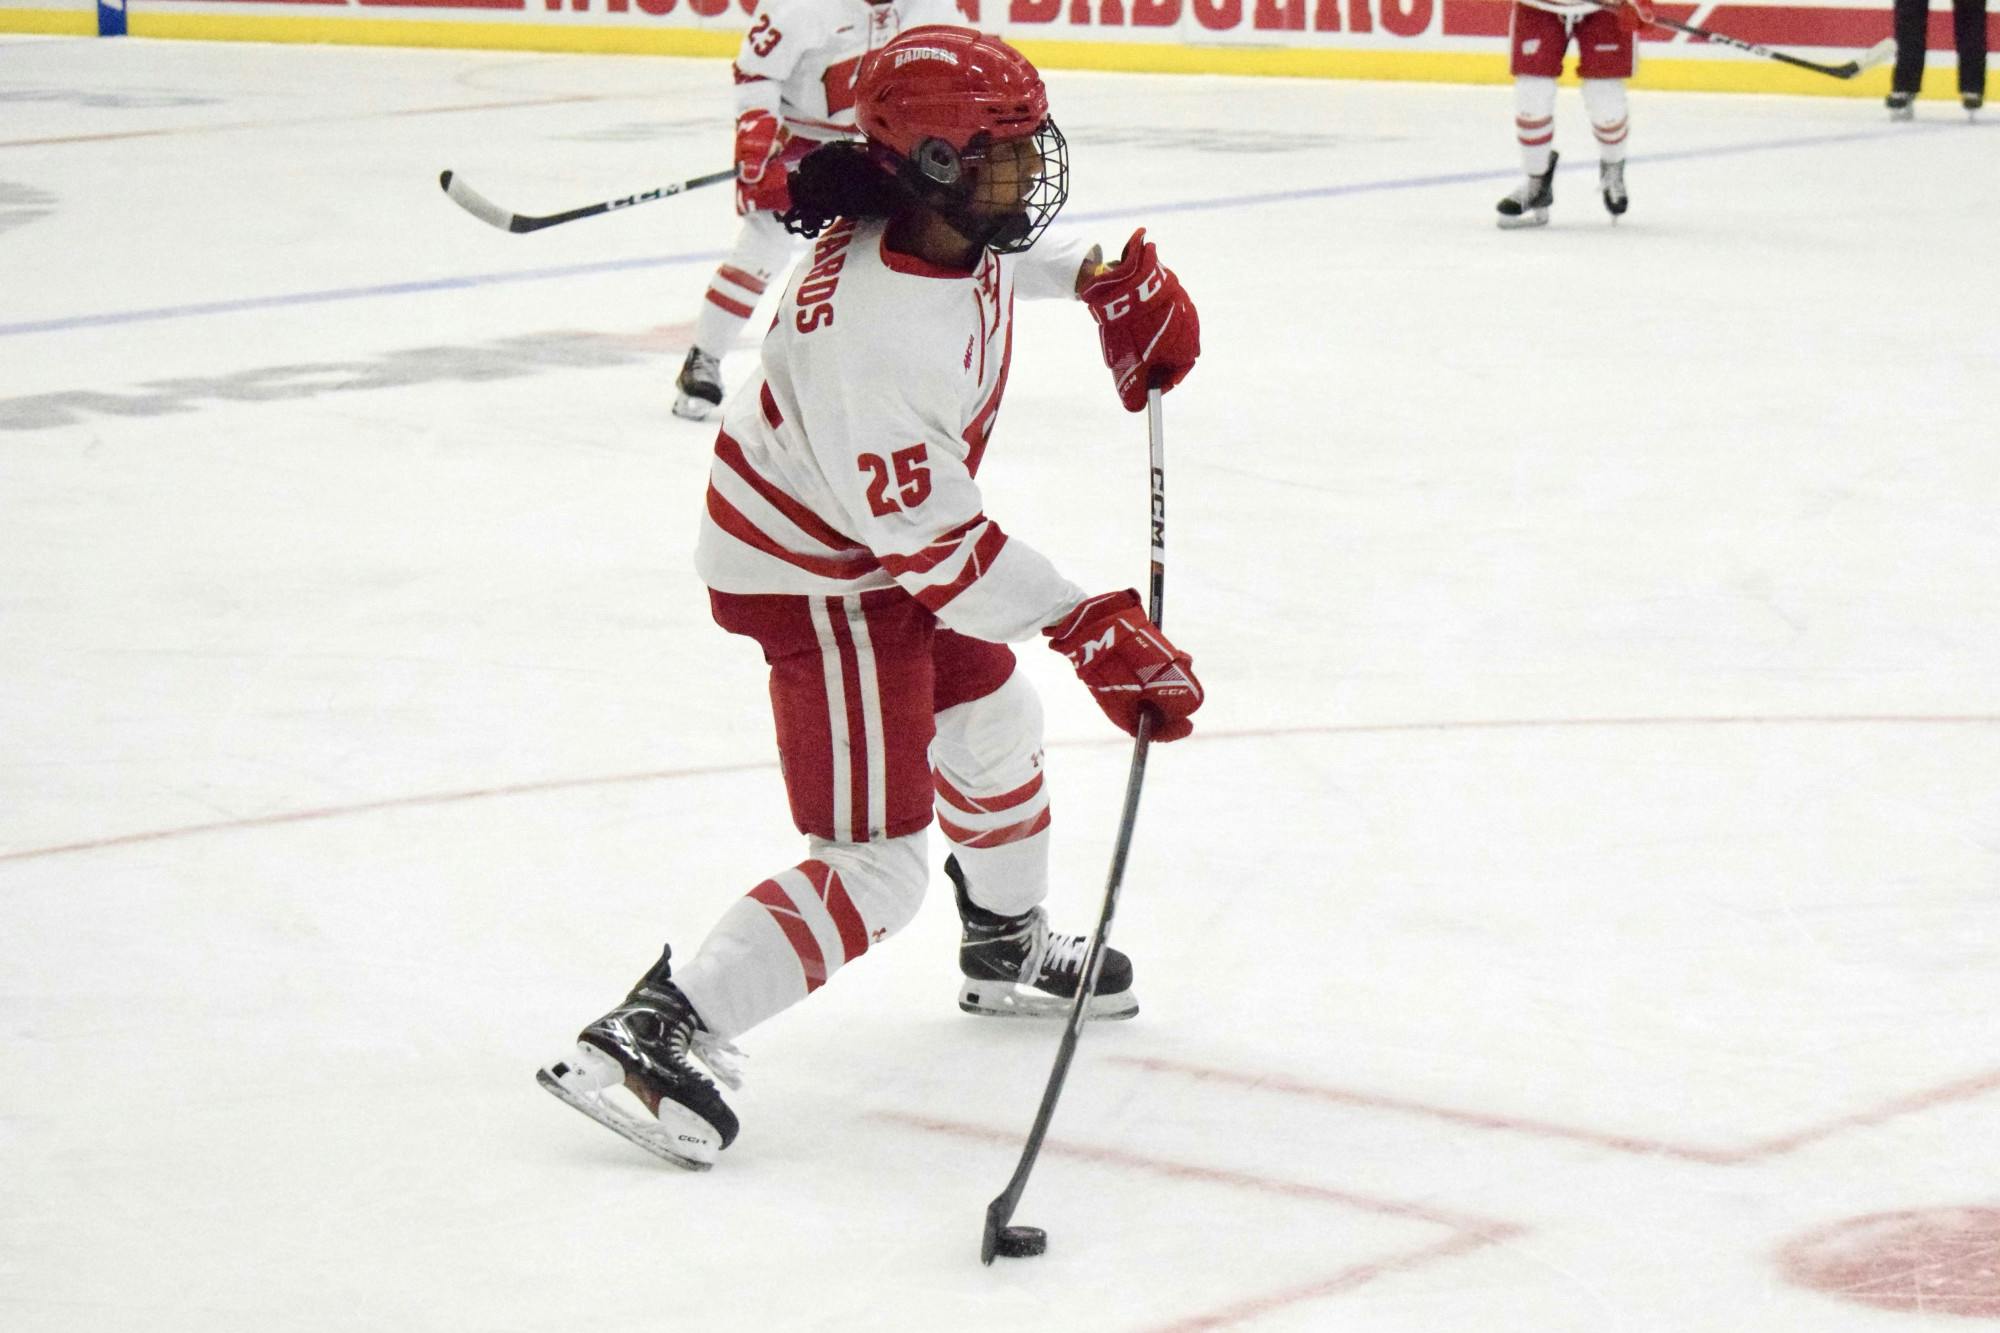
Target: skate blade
x=1003, y=999
x=680, y=1136
x=1535, y=218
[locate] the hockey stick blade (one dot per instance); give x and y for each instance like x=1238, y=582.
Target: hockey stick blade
x=492, y=214
x=474, y=202
x=1879, y=54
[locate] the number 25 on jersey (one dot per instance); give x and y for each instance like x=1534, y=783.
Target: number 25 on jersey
x=912, y=479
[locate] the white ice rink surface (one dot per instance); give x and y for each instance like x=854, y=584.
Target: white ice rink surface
x=1581, y=888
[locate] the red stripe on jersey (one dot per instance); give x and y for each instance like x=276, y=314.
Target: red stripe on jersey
x=802, y=518
x=846, y=918
x=982, y=423
x=779, y=904
x=731, y=520
x=749, y=282
x=998, y=837
x=940, y=550
x=986, y=805
x=736, y=308
x=981, y=560
x=742, y=78
x=772, y=416
x=857, y=721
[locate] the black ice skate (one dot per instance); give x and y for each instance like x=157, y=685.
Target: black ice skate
x=1015, y=968
x=1902, y=105
x=1972, y=102
x=700, y=385
x=1527, y=204
x=632, y=1074
x=1611, y=181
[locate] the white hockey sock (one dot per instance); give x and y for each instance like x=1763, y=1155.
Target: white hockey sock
x=726, y=307
x=1609, y=119
x=1535, y=121
x=790, y=934
x=991, y=800
x=1009, y=880
x=762, y=252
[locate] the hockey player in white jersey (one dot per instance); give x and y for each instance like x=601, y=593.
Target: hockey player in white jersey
x=846, y=534
x=795, y=75
x=1538, y=37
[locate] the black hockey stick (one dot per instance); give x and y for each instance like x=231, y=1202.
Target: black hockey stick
x=1880, y=53
x=487, y=211
x=1014, y=1242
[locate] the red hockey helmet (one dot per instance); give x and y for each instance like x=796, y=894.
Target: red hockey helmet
x=941, y=99
x=947, y=83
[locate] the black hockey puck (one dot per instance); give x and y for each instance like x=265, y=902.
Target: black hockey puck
x=1021, y=1242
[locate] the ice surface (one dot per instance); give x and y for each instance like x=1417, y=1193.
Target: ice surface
x=1582, y=883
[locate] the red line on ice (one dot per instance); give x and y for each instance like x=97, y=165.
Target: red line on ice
x=376, y=807
x=1469, y=1233
x=1977, y=1085
x=1210, y=737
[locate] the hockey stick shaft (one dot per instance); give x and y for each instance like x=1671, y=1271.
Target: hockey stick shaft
x=1001, y=1210
x=491, y=213
x=1875, y=54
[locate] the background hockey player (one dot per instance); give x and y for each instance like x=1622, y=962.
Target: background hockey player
x=1539, y=35
x=845, y=533
x=795, y=76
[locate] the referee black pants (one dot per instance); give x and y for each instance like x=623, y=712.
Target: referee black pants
x=1968, y=29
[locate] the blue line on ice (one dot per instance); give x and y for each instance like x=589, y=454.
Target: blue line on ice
x=205, y=308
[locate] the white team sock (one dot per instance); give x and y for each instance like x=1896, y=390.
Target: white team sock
x=1609, y=119
x=789, y=935
x=725, y=308
x=992, y=803
x=1535, y=121
x=762, y=252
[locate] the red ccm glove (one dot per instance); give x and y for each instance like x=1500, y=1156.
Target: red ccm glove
x=761, y=182
x=1146, y=323
x=1127, y=661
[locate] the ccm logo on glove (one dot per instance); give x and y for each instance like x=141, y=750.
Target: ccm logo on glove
x=1146, y=324
x=1128, y=663
x=1121, y=305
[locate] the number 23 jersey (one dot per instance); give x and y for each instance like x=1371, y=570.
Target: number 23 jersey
x=800, y=58
x=847, y=463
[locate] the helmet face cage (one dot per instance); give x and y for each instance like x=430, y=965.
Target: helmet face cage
x=991, y=206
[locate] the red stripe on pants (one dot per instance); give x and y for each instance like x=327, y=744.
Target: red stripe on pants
x=857, y=723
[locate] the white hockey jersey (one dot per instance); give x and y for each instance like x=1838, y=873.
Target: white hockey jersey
x=800, y=58
x=848, y=462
